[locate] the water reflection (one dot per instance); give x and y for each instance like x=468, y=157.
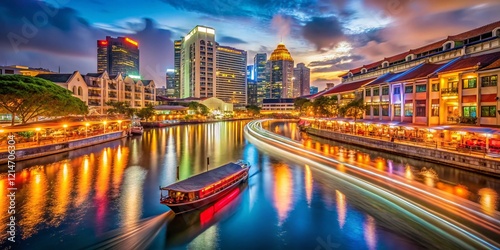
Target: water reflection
x=308, y=184
x=341, y=208
x=61, y=199
x=131, y=197
x=92, y=191
x=454, y=181
x=84, y=181
x=282, y=191
x=488, y=200
x=33, y=209
x=369, y=230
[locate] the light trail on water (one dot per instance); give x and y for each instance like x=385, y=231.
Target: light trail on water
x=430, y=209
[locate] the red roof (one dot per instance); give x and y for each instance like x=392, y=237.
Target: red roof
x=475, y=32
x=435, y=45
x=474, y=61
x=383, y=78
x=397, y=57
x=493, y=65
x=428, y=47
x=420, y=71
x=345, y=87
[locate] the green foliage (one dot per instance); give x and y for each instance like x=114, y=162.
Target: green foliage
x=120, y=108
x=354, y=109
x=29, y=97
x=146, y=113
x=198, y=108
x=253, y=109
x=302, y=104
x=26, y=134
x=467, y=120
x=325, y=106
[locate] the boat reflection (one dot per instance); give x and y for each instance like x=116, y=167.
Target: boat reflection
x=187, y=226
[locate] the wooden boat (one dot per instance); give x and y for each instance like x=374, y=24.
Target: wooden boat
x=136, y=130
x=186, y=227
x=205, y=188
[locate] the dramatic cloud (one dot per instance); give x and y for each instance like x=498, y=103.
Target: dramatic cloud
x=230, y=40
x=323, y=32
x=335, y=61
x=37, y=34
x=329, y=35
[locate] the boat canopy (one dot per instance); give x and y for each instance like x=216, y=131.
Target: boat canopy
x=205, y=179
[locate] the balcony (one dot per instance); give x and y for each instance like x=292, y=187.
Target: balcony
x=94, y=94
x=449, y=91
x=94, y=103
x=111, y=86
x=128, y=88
x=138, y=90
x=148, y=98
x=128, y=96
x=148, y=91
x=112, y=95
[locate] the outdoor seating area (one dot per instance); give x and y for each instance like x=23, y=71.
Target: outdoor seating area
x=465, y=139
x=50, y=132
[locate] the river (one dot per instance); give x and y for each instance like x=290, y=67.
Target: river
x=109, y=192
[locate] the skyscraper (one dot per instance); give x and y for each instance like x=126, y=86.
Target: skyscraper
x=313, y=90
x=259, y=66
x=250, y=73
x=231, y=75
x=177, y=68
x=118, y=55
x=251, y=92
x=197, y=63
x=281, y=73
x=301, y=80
x=170, y=79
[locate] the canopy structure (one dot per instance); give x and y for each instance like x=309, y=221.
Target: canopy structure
x=205, y=179
x=479, y=130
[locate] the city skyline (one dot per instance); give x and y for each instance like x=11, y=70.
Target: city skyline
x=329, y=37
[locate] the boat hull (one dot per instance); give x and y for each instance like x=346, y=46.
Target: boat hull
x=186, y=207
x=136, y=131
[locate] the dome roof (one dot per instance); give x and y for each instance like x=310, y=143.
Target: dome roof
x=281, y=54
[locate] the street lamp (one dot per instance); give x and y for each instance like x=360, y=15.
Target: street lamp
x=104, y=126
x=65, y=126
x=86, y=128
x=37, y=131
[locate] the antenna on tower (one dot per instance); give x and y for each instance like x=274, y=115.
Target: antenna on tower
x=59, y=69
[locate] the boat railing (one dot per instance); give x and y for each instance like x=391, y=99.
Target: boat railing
x=243, y=163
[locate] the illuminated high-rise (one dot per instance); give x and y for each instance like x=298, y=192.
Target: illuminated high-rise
x=280, y=74
x=301, y=80
x=197, y=63
x=118, y=55
x=231, y=76
x=177, y=68
x=259, y=62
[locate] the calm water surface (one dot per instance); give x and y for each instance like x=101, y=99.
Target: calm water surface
x=73, y=200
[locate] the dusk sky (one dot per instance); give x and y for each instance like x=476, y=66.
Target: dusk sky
x=328, y=35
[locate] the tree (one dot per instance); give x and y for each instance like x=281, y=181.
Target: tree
x=29, y=97
x=302, y=104
x=253, y=109
x=147, y=112
x=120, y=108
x=354, y=108
x=198, y=108
x=325, y=106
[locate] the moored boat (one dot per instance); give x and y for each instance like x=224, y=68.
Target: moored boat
x=205, y=188
x=137, y=130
